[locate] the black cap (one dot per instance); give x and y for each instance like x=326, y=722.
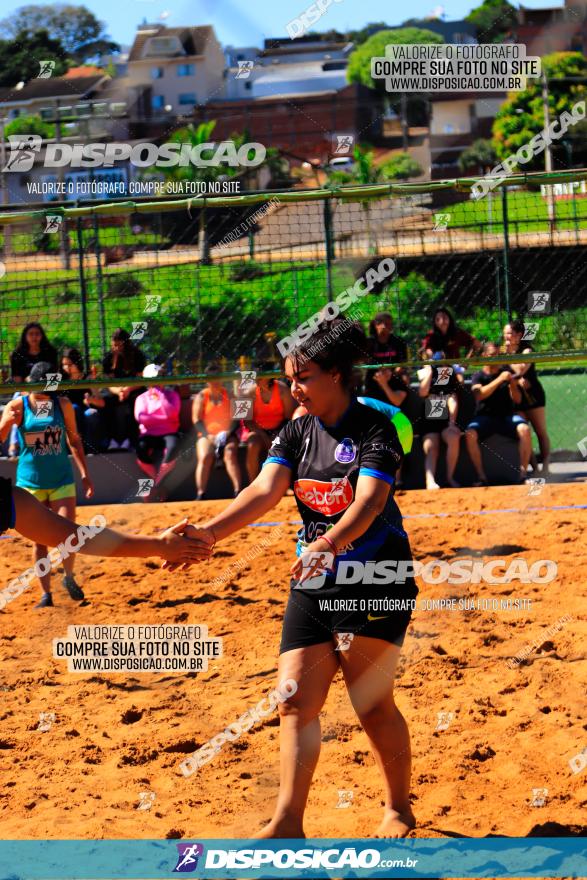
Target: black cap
x=39, y=371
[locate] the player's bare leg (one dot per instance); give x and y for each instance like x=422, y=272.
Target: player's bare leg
x=313, y=669
x=369, y=668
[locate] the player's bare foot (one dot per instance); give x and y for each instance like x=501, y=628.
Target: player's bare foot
x=281, y=829
x=396, y=824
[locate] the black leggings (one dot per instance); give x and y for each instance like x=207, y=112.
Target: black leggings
x=157, y=450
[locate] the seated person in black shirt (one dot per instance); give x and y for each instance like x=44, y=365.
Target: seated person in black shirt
x=87, y=405
x=384, y=348
x=124, y=360
x=33, y=347
x=496, y=392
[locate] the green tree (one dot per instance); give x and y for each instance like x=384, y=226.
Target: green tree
x=359, y=66
x=225, y=326
x=74, y=27
x=30, y=125
x=480, y=155
x=195, y=136
x=522, y=115
x=364, y=33
x=494, y=20
x=401, y=167
x=20, y=59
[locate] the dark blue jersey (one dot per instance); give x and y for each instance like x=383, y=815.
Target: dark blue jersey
x=326, y=463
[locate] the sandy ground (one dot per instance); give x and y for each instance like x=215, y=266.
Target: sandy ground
x=115, y=735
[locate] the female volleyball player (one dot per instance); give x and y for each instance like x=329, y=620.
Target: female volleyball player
x=47, y=431
x=341, y=460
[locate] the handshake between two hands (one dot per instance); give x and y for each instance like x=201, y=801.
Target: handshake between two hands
x=184, y=544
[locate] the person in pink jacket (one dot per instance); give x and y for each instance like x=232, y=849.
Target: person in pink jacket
x=157, y=414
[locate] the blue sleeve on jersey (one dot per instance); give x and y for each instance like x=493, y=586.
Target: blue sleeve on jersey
x=274, y=459
x=379, y=475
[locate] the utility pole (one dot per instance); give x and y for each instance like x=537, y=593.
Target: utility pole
x=64, y=229
x=6, y=230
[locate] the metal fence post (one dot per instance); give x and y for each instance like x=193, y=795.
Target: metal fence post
x=328, y=243
x=100, y=286
x=83, y=293
x=199, y=313
x=506, y=252
x=575, y=211
x=498, y=290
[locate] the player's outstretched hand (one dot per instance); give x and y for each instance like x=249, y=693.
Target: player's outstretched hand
x=314, y=561
x=183, y=544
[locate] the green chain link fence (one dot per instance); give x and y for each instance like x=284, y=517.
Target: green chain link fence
x=224, y=279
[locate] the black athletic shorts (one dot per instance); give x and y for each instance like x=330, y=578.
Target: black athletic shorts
x=432, y=426
x=379, y=611
x=7, y=511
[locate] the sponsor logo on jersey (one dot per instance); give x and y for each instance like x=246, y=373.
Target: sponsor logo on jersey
x=345, y=451
x=328, y=498
x=378, y=446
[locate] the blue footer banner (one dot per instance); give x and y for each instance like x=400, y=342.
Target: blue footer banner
x=290, y=859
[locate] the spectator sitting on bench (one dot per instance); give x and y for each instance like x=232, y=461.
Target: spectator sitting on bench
x=496, y=392
x=216, y=431
x=87, y=406
x=384, y=347
x=124, y=360
x=446, y=336
x=157, y=414
x=439, y=386
x=33, y=348
x=273, y=405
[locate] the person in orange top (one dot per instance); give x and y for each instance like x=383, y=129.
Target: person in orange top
x=273, y=406
x=216, y=432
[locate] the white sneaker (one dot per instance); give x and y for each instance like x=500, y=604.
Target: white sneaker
x=113, y=445
x=125, y=444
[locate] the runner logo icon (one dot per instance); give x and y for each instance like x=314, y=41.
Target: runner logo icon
x=187, y=857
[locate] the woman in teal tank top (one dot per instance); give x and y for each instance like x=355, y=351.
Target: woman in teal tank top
x=43, y=463
x=47, y=432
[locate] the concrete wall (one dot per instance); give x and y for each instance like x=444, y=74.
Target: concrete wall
x=116, y=476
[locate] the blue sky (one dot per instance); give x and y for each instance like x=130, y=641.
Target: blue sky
x=242, y=23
